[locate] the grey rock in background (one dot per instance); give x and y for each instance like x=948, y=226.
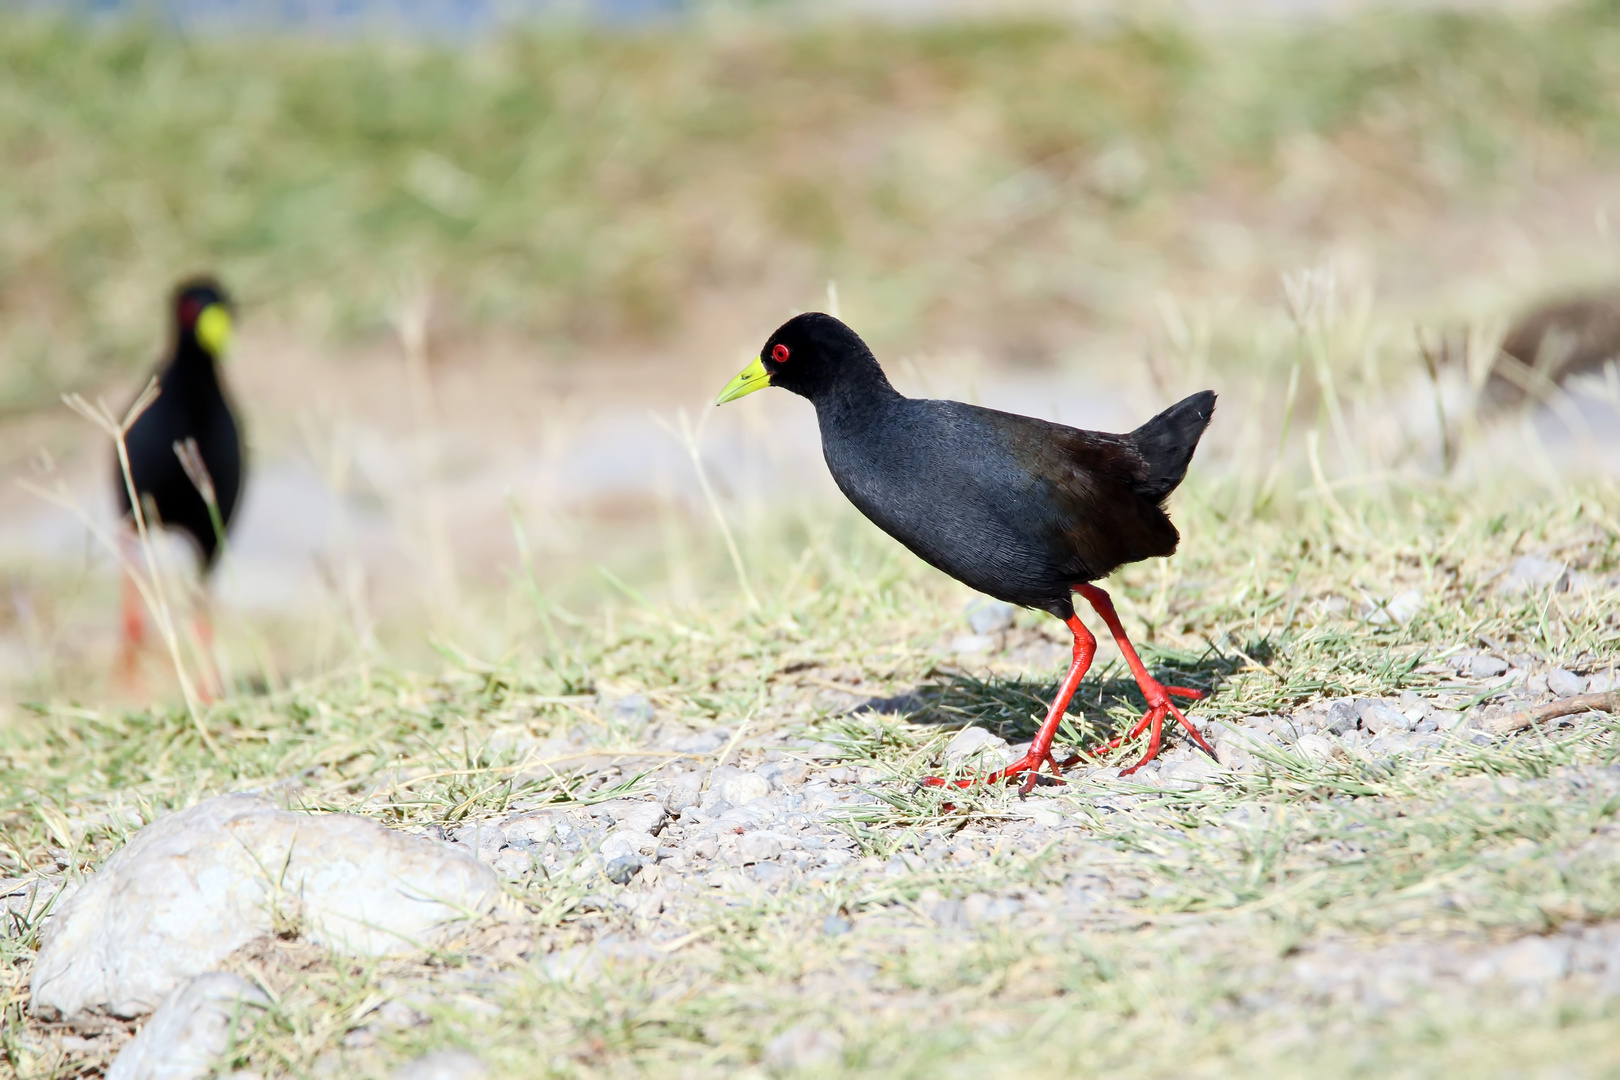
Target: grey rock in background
x=631, y=711
x=803, y=1046
x=990, y=616
x=1532, y=573
x=191, y=888
x=190, y=1030
x=443, y=1065
x=969, y=644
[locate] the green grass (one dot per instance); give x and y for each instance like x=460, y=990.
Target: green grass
x=588, y=187
x=1237, y=881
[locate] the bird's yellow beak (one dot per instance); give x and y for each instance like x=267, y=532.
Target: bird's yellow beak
x=214, y=329
x=751, y=378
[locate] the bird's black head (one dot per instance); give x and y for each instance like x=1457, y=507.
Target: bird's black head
x=202, y=315
x=813, y=355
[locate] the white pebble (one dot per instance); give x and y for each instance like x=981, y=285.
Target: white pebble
x=1565, y=683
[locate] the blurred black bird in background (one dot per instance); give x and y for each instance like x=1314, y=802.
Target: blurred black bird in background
x=1027, y=511
x=186, y=462
x=1551, y=343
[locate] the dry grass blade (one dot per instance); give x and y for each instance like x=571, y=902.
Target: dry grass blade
x=150, y=584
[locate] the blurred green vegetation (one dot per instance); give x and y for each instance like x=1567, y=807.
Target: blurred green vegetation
x=583, y=185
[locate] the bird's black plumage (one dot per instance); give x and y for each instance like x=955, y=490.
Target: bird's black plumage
x=1018, y=508
x=192, y=403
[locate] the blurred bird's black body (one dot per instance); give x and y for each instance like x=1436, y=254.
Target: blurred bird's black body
x=192, y=404
x=1018, y=508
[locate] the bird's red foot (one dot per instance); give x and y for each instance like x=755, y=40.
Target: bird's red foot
x=1159, y=704
x=1040, y=750
x=1029, y=764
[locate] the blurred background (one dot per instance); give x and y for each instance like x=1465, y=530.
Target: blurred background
x=494, y=259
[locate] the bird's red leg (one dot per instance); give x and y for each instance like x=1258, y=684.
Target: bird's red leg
x=1040, y=750
x=209, y=684
x=1157, y=694
x=134, y=624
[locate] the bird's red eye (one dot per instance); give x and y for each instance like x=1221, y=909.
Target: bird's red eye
x=190, y=308
x=780, y=354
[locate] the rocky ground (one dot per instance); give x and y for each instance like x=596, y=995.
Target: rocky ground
x=735, y=868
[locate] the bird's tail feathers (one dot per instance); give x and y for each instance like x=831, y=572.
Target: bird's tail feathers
x=1167, y=442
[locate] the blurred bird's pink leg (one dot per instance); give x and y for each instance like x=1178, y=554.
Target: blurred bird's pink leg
x=132, y=621
x=209, y=686
x=1157, y=694
x=1040, y=750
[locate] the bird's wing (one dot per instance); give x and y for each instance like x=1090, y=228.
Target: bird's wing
x=1092, y=503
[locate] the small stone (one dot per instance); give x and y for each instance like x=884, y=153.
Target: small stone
x=744, y=788
x=1380, y=718
x=395, y=1015
x=770, y=874
x=485, y=838
x=803, y=1046
x=836, y=925
x=443, y=1065
x=990, y=616
x=703, y=742
x=632, y=711
x=1399, y=609
x=1534, y=960
x=683, y=793
x=1487, y=667
x=947, y=913
x=782, y=775
x=621, y=842
x=1533, y=574
x=528, y=831
x=1315, y=747
x=972, y=644
x=1179, y=775
x=621, y=869
x=976, y=743
x=1565, y=683
x=1341, y=717
x=190, y=1030
x=981, y=908
x=823, y=751
x=512, y=864
x=756, y=847
x=1601, y=682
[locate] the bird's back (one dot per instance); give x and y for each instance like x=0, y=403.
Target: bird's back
x=1012, y=506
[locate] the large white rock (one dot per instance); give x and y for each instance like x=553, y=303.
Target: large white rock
x=193, y=1026
x=192, y=888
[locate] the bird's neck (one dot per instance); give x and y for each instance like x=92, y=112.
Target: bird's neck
x=854, y=403
x=193, y=364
